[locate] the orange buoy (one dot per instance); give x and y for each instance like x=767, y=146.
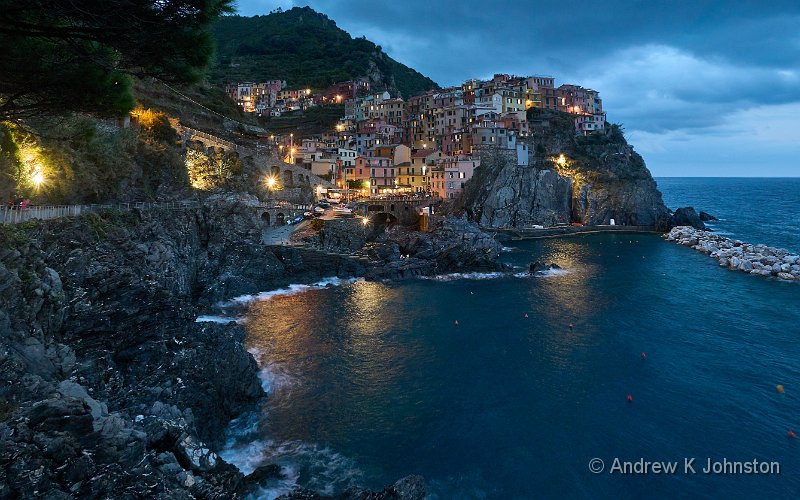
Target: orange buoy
x=643, y=356
x=791, y=434
x=456, y=323
x=630, y=398
x=526, y=315
x=779, y=388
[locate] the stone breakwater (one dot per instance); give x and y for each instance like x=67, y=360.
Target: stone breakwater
x=738, y=255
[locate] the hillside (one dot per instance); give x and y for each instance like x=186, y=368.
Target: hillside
x=306, y=49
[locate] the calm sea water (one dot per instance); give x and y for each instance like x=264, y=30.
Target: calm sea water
x=370, y=382
x=760, y=210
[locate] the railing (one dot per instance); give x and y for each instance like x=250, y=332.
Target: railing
x=15, y=215
x=283, y=206
x=217, y=140
x=406, y=199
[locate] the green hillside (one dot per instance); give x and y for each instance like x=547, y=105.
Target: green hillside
x=306, y=49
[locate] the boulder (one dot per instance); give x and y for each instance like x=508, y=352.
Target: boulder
x=687, y=217
x=706, y=217
x=537, y=266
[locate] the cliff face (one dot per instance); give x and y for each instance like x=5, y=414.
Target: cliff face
x=500, y=194
x=600, y=178
x=107, y=379
x=108, y=384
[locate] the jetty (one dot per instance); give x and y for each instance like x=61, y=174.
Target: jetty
x=737, y=255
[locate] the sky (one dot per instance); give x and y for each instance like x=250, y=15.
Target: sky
x=702, y=88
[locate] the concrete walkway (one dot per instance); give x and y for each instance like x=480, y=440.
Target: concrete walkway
x=280, y=235
x=558, y=231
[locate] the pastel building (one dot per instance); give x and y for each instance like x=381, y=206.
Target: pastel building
x=450, y=175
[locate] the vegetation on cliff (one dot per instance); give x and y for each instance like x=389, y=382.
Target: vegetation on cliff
x=82, y=159
x=306, y=49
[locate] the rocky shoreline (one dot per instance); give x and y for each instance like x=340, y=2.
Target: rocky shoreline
x=739, y=256
x=110, y=388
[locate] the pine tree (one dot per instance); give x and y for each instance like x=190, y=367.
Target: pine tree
x=58, y=56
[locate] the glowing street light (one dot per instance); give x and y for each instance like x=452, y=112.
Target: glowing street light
x=365, y=221
x=562, y=160
x=271, y=182
x=37, y=178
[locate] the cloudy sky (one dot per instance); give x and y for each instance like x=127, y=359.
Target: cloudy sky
x=703, y=88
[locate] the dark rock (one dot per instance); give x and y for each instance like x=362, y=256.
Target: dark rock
x=706, y=217
x=407, y=488
x=537, y=266
x=687, y=217
x=256, y=478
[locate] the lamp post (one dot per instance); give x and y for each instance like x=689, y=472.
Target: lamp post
x=271, y=183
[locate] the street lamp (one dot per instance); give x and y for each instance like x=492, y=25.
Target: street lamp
x=37, y=178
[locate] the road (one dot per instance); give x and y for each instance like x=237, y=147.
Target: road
x=279, y=235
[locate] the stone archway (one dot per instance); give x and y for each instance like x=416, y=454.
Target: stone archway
x=288, y=178
x=280, y=219
x=383, y=218
x=275, y=170
x=266, y=218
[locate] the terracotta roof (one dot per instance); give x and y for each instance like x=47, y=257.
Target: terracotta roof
x=422, y=153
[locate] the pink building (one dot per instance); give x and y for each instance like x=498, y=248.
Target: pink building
x=449, y=176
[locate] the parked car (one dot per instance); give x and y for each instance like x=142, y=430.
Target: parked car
x=297, y=220
x=319, y=210
x=308, y=215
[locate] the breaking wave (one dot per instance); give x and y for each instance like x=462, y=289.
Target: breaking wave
x=223, y=320
x=292, y=290
x=464, y=276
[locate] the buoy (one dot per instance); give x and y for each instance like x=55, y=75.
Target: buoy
x=570, y=325
x=630, y=398
x=643, y=356
x=456, y=323
x=780, y=389
x=792, y=435
x=526, y=315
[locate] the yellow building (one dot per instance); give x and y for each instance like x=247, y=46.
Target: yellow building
x=412, y=178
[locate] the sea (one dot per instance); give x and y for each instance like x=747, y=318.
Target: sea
x=571, y=383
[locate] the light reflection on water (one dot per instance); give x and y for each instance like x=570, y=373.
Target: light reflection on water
x=501, y=406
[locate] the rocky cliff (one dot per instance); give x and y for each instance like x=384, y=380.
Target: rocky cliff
x=453, y=244
x=109, y=387
x=598, y=178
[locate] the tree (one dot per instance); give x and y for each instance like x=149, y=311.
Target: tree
x=61, y=55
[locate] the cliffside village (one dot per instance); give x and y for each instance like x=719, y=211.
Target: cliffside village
x=429, y=144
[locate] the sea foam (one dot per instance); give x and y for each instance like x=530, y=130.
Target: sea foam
x=291, y=290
